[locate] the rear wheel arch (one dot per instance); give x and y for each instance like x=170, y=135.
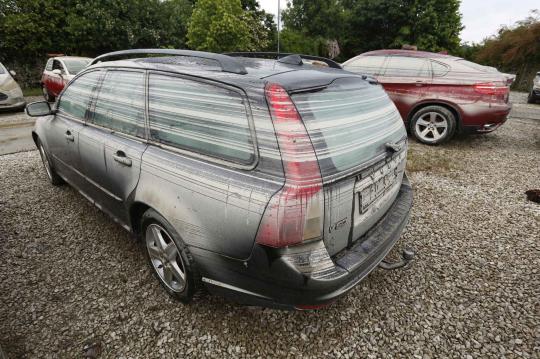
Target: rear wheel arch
x=148, y=216
x=136, y=212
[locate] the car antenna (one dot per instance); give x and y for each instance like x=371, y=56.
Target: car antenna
x=278, y=24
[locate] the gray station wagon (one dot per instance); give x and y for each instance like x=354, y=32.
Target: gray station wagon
x=272, y=181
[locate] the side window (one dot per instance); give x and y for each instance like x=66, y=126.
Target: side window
x=75, y=99
x=57, y=65
x=439, y=69
x=366, y=65
x=49, y=65
x=403, y=66
x=120, y=103
x=207, y=119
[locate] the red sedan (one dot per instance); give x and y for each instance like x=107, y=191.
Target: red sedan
x=438, y=95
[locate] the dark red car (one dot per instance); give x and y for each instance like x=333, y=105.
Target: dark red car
x=438, y=95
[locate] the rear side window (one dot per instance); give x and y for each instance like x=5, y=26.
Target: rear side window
x=74, y=66
x=403, y=66
x=439, y=69
x=473, y=65
x=76, y=98
x=366, y=65
x=348, y=123
x=199, y=117
x=120, y=103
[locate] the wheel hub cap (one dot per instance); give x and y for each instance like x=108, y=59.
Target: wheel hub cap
x=431, y=127
x=165, y=257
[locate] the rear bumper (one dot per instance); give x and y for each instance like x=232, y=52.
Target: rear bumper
x=273, y=278
x=484, y=119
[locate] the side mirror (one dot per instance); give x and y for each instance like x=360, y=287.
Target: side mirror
x=37, y=109
x=57, y=72
x=12, y=73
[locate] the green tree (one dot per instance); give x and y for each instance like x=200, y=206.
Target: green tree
x=262, y=25
x=309, y=24
x=30, y=29
x=514, y=49
x=431, y=25
x=24, y=31
x=107, y=25
x=315, y=18
x=220, y=25
x=363, y=25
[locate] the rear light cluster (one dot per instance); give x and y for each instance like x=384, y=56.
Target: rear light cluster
x=491, y=88
x=295, y=213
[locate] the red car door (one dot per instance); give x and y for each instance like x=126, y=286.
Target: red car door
x=57, y=80
x=406, y=79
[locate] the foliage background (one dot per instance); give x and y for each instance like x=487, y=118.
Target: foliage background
x=514, y=49
x=31, y=29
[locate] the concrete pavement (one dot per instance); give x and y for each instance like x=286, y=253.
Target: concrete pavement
x=16, y=137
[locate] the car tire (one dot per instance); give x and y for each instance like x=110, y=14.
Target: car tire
x=169, y=257
x=433, y=125
x=46, y=95
x=53, y=177
x=530, y=98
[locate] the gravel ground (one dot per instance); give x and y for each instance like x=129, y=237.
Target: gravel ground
x=70, y=276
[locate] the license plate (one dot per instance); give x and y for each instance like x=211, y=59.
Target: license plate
x=375, y=185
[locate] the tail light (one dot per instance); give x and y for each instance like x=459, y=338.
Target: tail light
x=295, y=213
x=491, y=88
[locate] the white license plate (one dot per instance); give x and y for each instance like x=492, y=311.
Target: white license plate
x=371, y=188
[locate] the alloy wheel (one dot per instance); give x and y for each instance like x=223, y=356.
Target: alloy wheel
x=165, y=257
x=431, y=127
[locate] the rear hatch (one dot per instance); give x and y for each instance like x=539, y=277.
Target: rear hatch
x=360, y=144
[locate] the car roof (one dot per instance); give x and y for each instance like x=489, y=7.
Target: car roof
x=291, y=77
x=411, y=53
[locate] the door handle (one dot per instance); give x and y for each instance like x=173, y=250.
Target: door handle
x=69, y=136
x=121, y=158
x=419, y=83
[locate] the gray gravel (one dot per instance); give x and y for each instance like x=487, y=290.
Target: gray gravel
x=71, y=277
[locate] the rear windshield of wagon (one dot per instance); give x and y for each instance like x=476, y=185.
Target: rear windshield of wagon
x=348, y=123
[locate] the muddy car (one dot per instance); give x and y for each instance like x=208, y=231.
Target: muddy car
x=269, y=181
x=11, y=96
x=439, y=95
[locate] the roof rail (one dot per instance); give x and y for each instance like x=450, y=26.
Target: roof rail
x=279, y=55
x=227, y=63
